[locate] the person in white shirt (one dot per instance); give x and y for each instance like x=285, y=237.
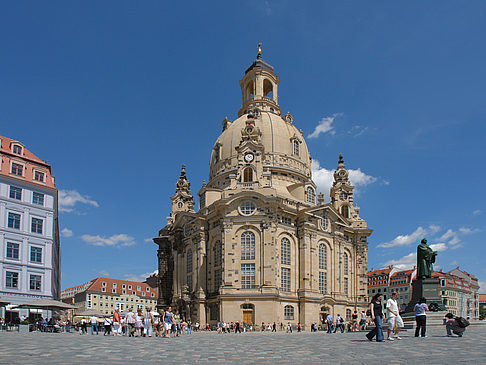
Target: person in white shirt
x=393, y=316
x=94, y=325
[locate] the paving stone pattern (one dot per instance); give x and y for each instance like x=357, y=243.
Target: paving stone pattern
x=247, y=348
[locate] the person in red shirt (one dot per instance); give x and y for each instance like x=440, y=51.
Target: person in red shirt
x=116, y=323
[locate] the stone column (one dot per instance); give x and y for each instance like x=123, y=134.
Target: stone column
x=166, y=271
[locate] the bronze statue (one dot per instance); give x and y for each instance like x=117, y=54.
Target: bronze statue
x=425, y=259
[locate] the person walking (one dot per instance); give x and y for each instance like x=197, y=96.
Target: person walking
x=289, y=328
x=362, y=322
x=148, y=322
x=130, y=318
x=237, y=327
x=339, y=323
x=168, y=321
x=329, y=321
x=377, y=316
x=393, y=317
x=107, y=323
x=274, y=327
x=421, y=317
x=354, y=318
x=116, y=323
x=94, y=325
x=139, y=323
x=177, y=322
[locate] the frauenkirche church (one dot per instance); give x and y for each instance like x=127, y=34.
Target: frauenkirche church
x=263, y=246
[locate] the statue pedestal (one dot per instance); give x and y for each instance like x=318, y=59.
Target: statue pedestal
x=429, y=289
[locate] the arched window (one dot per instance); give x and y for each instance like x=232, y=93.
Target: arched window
x=248, y=246
x=345, y=264
x=248, y=174
x=217, y=253
x=322, y=282
x=346, y=286
x=250, y=90
x=267, y=88
x=322, y=256
x=310, y=195
x=288, y=312
x=296, y=147
x=189, y=261
x=285, y=251
x=345, y=211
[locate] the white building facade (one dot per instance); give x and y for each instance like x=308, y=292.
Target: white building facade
x=29, y=233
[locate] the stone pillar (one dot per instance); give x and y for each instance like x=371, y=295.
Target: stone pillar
x=166, y=270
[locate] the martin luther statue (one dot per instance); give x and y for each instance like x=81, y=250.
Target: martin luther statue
x=425, y=259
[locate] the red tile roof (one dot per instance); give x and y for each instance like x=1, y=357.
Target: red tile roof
x=97, y=285
x=482, y=297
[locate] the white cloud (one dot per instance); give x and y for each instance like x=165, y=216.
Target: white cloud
x=115, y=240
x=438, y=247
x=404, y=263
x=482, y=286
x=66, y=232
x=449, y=234
x=466, y=230
x=324, y=178
x=104, y=273
x=357, y=130
x=407, y=239
x=478, y=212
x=139, y=277
x=69, y=198
x=148, y=240
x=325, y=126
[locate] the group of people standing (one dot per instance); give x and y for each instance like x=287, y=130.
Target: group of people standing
x=395, y=321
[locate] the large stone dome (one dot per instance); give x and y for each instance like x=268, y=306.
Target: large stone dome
x=284, y=147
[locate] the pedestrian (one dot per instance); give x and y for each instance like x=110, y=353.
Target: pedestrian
x=421, y=317
x=157, y=325
x=116, y=323
x=263, y=326
x=148, y=322
x=339, y=323
x=131, y=320
x=377, y=316
x=354, y=318
x=168, y=321
x=394, y=319
x=452, y=325
x=94, y=325
x=139, y=323
x=189, y=327
x=237, y=327
x=281, y=326
x=289, y=328
x=84, y=326
x=329, y=321
x=107, y=323
x=362, y=322
x=177, y=322
x=299, y=327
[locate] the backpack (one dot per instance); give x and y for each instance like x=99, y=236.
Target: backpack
x=462, y=322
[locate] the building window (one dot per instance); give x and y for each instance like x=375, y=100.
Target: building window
x=12, y=280
x=13, y=220
x=17, y=169
x=35, y=282
x=285, y=279
x=346, y=286
x=189, y=283
x=217, y=253
x=12, y=251
x=15, y=193
x=217, y=279
x=324, y=223
x=139, y=288
x=36, y=226
x=189, y=261
x=247, y=276
x=345, y=211
x=348, y=315
x=288, y=312
x=38, y=176
x=322, y=256
x=296, y=147
x=248, y=246
x=310, y=195
x=38, y=198
x=247, y=207
x=129, y=287
x=17, y=149
x=36, y=254
x=345, y=264
x=322, y=282
x=248, y=174
x=285, y=251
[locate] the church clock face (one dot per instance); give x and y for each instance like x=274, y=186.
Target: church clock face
x=249, y=157
x=343, y=196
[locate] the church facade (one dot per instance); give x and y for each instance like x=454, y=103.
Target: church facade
x=262, y=245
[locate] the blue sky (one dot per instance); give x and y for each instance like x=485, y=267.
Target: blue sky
x=116, y=95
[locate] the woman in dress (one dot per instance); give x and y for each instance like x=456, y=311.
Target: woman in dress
x=148, y=322
x=139, y=323
x=168, y=320
x=177, y=322
x=377, y=316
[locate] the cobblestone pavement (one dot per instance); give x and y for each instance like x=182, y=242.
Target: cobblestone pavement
x=346, y=348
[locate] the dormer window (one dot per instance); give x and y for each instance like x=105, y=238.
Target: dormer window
x=295, y=147
x=17, y=149
x=38, y=176
x=310, y=195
